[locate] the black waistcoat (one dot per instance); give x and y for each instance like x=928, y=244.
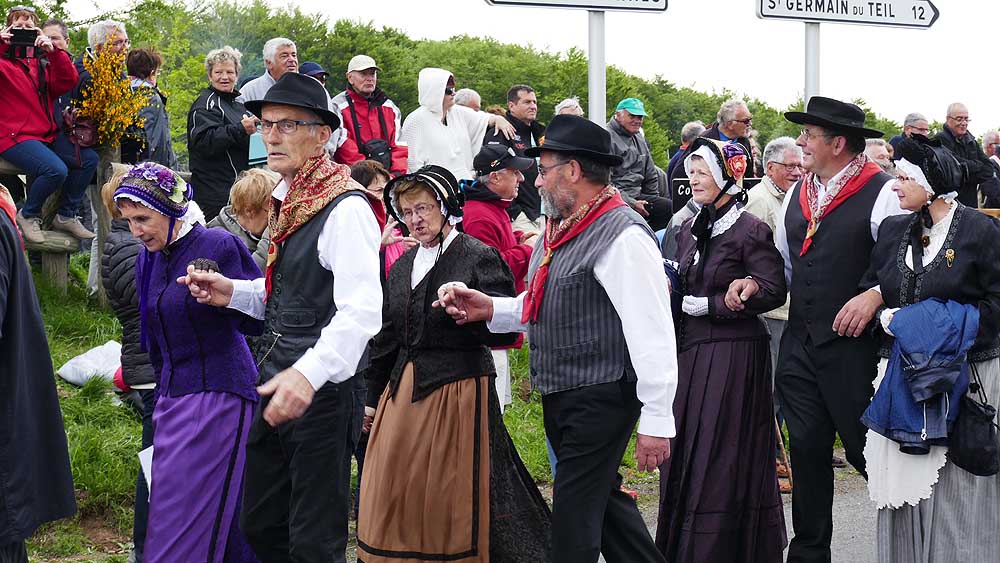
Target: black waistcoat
x=301, y=301
x=828, y=276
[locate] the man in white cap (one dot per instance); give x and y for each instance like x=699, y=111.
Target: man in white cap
x=370, y=120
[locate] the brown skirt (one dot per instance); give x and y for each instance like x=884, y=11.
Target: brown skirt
x=425, y=492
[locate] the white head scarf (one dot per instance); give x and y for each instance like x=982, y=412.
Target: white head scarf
x=712, y=159
x=917, y=174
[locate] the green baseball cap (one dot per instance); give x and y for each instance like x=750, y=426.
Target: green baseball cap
x=632, y=105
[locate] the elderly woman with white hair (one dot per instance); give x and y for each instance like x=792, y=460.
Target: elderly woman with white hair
x=105, y=34
x=933, y=505
x=569, y=106
x=719, y=500
x=218, y=132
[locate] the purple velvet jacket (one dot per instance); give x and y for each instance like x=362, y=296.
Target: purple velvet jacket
x=194, y=347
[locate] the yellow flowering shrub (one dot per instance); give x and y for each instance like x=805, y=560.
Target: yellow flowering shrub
x=109, y=100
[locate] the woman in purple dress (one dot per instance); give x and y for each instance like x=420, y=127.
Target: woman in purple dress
x=719, y=499
x=204, y=369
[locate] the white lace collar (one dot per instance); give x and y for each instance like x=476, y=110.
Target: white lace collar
x=728, y=219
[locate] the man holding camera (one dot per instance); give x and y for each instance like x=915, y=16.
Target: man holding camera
x=370, y=120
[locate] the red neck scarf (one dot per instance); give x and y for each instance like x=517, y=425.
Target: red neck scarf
x=317, y=183
x=855, y=176
x=556, y=235
x=7, y=205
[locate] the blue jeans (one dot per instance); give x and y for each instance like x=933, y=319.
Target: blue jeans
x=53, y=166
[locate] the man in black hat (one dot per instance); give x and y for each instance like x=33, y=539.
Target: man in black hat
x=827, y=361
x=597, y=314
x=321, y=302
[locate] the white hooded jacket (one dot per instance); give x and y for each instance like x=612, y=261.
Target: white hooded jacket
x=430, y=141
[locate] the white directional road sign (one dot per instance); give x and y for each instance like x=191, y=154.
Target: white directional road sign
x=919, y=14
x=626, y=5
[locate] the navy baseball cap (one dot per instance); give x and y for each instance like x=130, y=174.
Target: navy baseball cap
x=309, y=68
x=499, y=157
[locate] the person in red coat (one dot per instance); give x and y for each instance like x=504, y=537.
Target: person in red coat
x=367, y=111
x=499, y=171
x=31, y=79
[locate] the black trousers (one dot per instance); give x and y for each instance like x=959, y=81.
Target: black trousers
x=13, y=553
x=660, y=210
x=824, y=390
x=589, y=428
x=297, y=488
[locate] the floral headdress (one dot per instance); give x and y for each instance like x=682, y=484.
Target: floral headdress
x=727, y=161
x=157, y=187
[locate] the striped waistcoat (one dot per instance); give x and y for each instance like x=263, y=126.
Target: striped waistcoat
x=578, y=339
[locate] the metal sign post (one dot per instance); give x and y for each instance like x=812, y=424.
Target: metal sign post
x=597, y=70
x=596, y=65
x=914, y=14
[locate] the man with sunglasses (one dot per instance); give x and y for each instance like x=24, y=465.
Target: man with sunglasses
x=371, y=121
x=956, y=137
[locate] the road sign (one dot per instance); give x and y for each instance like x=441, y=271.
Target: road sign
x=920, y=14
x=625, y=5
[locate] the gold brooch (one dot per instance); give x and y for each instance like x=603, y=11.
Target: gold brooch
x=949, y=255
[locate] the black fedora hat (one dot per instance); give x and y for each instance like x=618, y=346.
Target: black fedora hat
x=297, y=90
x=576, y=135
x=834, y=114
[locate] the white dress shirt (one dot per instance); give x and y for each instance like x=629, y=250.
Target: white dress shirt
x=886, y=205
x=427, y=256
x=348, y=247
x=631, y=272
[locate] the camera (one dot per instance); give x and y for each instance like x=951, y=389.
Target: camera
x=22, y=42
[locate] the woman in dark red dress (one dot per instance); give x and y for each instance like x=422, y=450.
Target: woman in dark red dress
x=719, y=499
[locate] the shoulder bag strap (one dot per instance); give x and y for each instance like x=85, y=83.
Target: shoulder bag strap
x=354, y=118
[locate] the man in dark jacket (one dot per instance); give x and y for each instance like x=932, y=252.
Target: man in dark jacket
x=733, y=123
x=637, y=177
x=966, y=149
x=118, y=271
x=35, y=480
x=522, y=110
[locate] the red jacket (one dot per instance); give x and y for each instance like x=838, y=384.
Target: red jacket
x=23, y=118
x=488, y=221
x=348, y=151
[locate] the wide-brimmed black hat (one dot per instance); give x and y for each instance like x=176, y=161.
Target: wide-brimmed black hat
x=834, y=114
x=576, y=135
x=939, y=165
x=297, y=90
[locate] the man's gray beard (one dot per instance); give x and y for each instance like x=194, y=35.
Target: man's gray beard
x=549, y=206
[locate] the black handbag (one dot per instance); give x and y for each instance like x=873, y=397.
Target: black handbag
x=374, y=149
x=972, y=443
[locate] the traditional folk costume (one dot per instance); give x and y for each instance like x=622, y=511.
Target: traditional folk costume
x=600, y=333
x=442, y=480
x=931, y=510
x=320, y=300
x=205, y=381
x=825, y=235
x=719, y=499
x=36, y=485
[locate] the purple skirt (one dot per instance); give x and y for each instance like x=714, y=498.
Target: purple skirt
x=199, y=450
x=719, y=499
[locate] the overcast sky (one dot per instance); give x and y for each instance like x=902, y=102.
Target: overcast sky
x=716, y=44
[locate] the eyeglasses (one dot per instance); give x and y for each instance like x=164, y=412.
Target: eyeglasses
x=421, y=210
x=21, y=8
x=118, y=43
x=810, y=135
x=543, y=170
x=449, y=91
x=286, y=126
x=960, y=118
x=921, y=130
x=788, y=167
x=746, y=121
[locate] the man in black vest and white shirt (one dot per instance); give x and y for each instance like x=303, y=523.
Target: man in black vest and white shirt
x=321, y=302
x=601, y=341
x=825, y=232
